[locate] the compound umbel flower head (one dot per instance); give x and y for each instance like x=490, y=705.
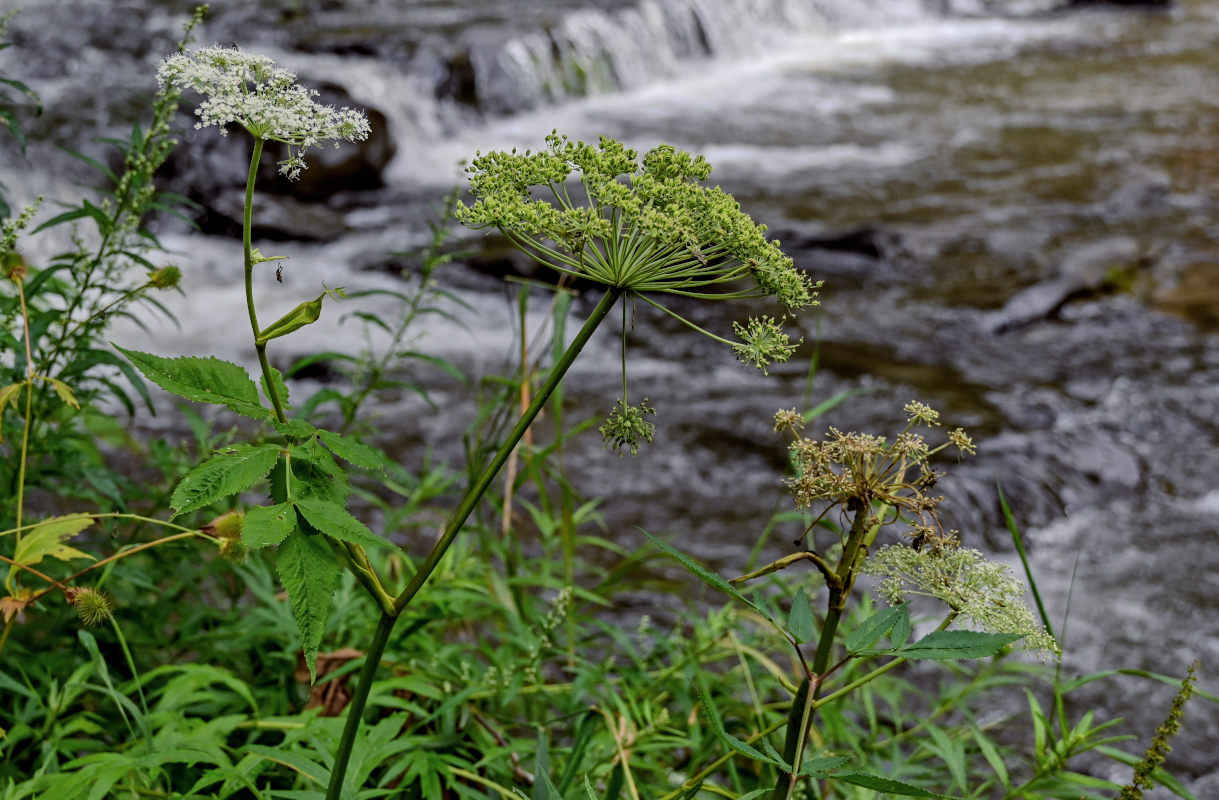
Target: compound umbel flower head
x=647, y=226
x=642, y=226
x=249, y=90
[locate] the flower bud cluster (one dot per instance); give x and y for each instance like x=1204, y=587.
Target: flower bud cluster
x=858, y=470
x=627, y=426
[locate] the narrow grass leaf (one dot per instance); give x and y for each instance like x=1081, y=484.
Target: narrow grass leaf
x=876, y=626
x=886, y=785
x=265, y=526
x=204, y=380
x=336, y=522
x=293, y=761
x=952, y=753
x=991, y=754
x=310, y=575
x=1018, y=540
x=231, y=471
x=942, y=645
x=731, y=742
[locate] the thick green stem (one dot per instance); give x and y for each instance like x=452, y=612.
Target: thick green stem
x=355, y=710
x=479, y=487
x=810, y=689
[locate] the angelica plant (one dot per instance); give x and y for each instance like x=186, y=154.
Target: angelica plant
x=643, y=228
x=871, y=483
x=672, y=235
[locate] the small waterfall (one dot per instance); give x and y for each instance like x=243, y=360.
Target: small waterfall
x=591, y=51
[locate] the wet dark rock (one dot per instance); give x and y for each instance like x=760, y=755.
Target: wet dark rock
x=276, y=217
x=1085, y=271
x=847, y=259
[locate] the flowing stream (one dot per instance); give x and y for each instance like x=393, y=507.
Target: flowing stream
x=1016, y=216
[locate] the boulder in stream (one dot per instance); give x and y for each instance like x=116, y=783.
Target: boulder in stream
x=1084, y=271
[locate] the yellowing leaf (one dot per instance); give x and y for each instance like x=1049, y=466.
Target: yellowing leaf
x=65, y=393
x=47, y=539
x=9, y=394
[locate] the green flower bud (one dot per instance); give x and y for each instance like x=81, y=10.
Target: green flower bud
x=165, y=278
x=304, y=314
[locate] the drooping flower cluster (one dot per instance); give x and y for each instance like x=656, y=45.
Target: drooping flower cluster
x=982, y=592
x=247, y=89
x=647, y=227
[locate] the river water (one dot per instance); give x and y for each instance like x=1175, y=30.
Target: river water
x=1015, y=214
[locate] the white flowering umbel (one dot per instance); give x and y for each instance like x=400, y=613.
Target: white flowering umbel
x=979, y=591
x=247, y=89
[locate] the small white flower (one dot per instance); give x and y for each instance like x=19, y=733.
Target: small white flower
x=247, y=89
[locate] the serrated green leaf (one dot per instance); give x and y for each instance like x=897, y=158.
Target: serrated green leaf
x=703, y=574
x=314, y=474
x=351, y=451
x=204, y=380
x=817, y=767
x=267, y=525
x=309, y=574
x=281, y=388
x=886, y=785
x=233, y=470
x=335, y=521
x=874, y=627
x=800, y=620
x=958, y=644
x=296, y=428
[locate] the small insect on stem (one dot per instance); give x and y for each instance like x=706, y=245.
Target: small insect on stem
x=279, y=273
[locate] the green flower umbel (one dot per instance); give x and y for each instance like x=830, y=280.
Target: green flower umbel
x=647, y=229
x=644, y=227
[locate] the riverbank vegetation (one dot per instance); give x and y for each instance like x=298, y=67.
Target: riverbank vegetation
x=236, y=616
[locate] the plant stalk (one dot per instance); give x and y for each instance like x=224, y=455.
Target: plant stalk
x=804, y=704
x=479, y=487
x=355, y=709
x=247, y=224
